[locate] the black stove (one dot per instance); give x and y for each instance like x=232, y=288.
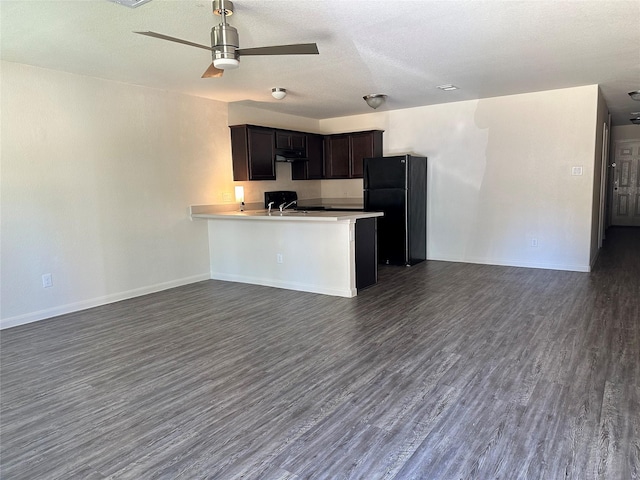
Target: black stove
x=279, y=197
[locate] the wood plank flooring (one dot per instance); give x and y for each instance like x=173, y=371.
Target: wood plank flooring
x=440, y=371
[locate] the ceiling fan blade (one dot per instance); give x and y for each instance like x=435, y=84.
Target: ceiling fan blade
x=212, y=72
x=174, y=39
x=295, y=49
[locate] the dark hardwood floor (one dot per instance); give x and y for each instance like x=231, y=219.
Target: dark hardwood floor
x=440, y=371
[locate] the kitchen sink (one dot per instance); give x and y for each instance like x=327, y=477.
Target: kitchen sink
x=289, y=212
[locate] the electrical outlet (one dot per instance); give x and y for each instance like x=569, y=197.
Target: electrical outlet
x=534, y=242
x=576, y=170
x=279, y=258
x=47, y=280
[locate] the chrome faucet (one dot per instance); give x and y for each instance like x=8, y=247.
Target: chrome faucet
x=284, y=205
x=270, y=205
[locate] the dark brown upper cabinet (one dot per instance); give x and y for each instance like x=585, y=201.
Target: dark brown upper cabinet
x=337, y=150
x=253, y=152
x=291, y=140
x=313, y=168
x=364, y=145
x=344, y=153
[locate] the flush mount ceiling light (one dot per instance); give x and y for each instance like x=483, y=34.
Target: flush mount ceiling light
x=635, y=121
x=635, y=95
x=447, y=88
x=374, y=100
x=278, y=93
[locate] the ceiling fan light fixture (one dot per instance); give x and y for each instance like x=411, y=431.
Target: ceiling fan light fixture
x=226, y=63
x=278, y=93
x=635, y=95
x=374, y=100
x=225, y=44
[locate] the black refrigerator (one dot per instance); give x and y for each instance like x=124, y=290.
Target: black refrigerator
x=397, y=186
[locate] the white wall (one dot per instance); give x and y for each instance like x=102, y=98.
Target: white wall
x=499, y=174
x=625, y=132
x=97, y=178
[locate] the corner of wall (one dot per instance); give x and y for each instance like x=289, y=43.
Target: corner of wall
x=601, y=135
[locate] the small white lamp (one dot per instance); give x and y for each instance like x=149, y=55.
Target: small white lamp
x=240, y=196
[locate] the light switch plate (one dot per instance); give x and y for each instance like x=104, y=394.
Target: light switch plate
x=576, y=170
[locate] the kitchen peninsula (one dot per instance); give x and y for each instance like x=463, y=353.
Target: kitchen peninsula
x=327, y=252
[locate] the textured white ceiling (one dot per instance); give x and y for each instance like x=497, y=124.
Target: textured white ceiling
x=403, y=48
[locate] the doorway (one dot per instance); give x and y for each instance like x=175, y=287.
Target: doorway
x=625, y=178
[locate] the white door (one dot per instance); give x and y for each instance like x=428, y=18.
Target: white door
x=625, y=208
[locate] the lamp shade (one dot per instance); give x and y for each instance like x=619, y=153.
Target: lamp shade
x=239, y=194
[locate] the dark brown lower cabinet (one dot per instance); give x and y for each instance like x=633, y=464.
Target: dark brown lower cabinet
x=366, y=252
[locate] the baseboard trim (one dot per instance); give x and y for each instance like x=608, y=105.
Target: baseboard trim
x=501, y=263
x=301, y=287
x=96, y=302
x=594, y=259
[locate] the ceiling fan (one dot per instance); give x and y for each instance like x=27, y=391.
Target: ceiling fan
x=225, y=46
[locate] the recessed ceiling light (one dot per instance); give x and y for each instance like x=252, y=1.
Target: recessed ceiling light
x=635, y=94
x=447, y=88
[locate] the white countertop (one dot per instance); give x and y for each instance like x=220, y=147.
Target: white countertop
x=290, y=215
